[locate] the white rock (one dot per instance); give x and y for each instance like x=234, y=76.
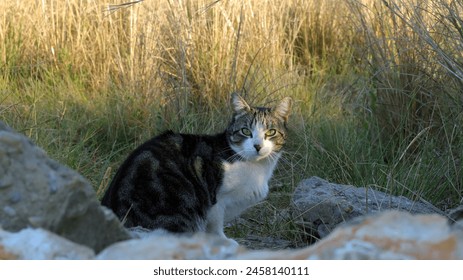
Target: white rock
x=172, y=247
x=39, y=244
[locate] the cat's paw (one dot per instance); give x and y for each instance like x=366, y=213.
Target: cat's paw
x=232, y=242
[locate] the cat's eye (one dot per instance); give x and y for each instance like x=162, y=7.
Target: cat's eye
x=246, y=132
x=270, y=132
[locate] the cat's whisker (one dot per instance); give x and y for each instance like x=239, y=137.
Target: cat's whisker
x=234, y=157
x=283, y=157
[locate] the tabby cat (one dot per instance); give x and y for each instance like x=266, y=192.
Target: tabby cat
x=190, y=183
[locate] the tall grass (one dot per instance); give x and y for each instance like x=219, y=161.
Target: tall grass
x=414, y=96
x=377, y=84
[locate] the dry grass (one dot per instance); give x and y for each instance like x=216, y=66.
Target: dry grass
x=414, y=62
x=153, y=46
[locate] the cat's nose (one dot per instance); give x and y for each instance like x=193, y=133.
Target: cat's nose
x=257, y=147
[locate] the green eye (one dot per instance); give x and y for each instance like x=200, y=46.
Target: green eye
x=246, y=132
x=270, y=132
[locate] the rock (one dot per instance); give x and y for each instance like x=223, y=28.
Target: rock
x=390, y=235
x=320, y=206
x=37, y=192
x=164, y=246
x=39, y=244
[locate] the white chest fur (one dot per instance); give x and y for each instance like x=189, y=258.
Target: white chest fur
x=245, y=183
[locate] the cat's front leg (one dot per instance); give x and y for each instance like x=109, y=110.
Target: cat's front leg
x=215, y=220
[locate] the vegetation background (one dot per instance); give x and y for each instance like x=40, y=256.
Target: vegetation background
x=377, y=86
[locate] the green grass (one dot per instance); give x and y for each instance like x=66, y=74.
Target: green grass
x=377, y=88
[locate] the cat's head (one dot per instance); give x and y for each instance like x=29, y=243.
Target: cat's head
x=256, y=133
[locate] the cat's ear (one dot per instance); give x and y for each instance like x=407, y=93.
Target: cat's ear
x=238, y=104
x=283, y=108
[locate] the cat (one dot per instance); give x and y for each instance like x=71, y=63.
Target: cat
x=186, y=183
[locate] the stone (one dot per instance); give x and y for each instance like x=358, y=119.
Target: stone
x=390, y=235
x=39, y=244
x=38, y=192
x=164, y=246
x=319, y=206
